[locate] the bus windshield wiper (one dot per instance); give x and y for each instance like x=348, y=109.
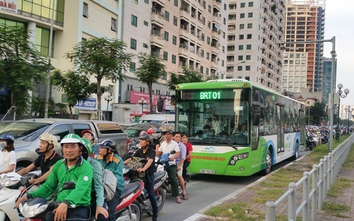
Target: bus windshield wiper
x=230, y=144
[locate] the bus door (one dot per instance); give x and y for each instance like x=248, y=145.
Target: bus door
x=280, y=141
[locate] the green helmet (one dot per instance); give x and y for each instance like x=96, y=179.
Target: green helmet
x=71, y=138
x=88, y=145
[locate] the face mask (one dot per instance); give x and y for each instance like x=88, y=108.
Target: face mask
x=3, y=145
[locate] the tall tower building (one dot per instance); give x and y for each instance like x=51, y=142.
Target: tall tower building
x=255, y=27
x=326, y=78
x=303, y=62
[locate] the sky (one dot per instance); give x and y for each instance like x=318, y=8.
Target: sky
x=339, y=22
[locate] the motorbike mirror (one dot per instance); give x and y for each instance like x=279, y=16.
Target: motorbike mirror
x=172, y=152
x=68, y=186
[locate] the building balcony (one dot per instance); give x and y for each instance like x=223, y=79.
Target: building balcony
x=215, y=35
x=160, y=2
x=183, y=51
x=183, y=31
x=184, y=12
x=156, y=39
x=157, y=18
x=217, y=4
x=215, y=50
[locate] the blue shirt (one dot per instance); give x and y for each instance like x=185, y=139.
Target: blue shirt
x=182, y=152
x=115, y=164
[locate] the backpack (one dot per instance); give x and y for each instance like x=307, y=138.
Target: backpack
x=109, y=184
x=134, y=164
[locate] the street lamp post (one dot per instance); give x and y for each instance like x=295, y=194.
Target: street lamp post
x=108, y=98
x=341, y=94
x=331, y=103
x=142, y=101
x=349, y=110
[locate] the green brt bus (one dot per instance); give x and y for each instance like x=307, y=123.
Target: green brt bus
x=238, y=128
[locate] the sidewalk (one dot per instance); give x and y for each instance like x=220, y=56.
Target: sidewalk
x=246, y=195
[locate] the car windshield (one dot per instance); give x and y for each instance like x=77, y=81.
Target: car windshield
x=26, y=131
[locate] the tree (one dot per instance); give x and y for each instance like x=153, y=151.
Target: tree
x=318, y=113
x=21, y=66
x=101, y=58
x=150, y=71
x=76, y=87
x=187, y=76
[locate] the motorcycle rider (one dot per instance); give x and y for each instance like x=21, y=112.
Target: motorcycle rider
x=110, y=160
x=73, y=168
x=7, y=155
x=97, y=199
x=148, y=152
x=46, y=159
x=89, y=135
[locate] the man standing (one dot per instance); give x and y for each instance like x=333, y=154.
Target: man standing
x=148, y=153
x=180, y=161
x=74, y=203
x=46, y=159
x=111, y=161
x=165, y=148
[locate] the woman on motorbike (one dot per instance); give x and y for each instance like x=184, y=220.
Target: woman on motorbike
x=7, y=155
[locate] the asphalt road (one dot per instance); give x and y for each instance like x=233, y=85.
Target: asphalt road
x=204, y=190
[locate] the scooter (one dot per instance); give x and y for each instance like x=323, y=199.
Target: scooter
x=35, y=209
x=11, y=186
x=160, y=178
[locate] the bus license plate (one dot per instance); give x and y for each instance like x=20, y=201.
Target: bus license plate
x=207, y=171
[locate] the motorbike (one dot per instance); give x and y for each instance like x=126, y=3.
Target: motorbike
x=160, y=193
x=311, y=142
x=11, y=186
x=35, y=209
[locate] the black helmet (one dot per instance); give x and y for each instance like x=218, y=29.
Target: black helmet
x=145, y=137
x=107, y=144
x=7, y=137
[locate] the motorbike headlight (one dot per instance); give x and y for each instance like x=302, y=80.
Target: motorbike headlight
x=233, y=159
x=33, y=208
x=5, y=182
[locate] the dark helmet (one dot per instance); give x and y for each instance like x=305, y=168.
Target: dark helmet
x=8, y=138
x=108, y=144
x=145, y=137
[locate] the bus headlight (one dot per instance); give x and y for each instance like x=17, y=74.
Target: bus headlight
x=233, y=159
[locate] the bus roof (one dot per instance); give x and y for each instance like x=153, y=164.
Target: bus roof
x=227, y=83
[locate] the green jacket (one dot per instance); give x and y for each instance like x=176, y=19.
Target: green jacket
x=97, y=180
x=115, y=164
x=81, y=174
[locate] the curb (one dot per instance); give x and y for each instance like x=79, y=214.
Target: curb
x=200, y=214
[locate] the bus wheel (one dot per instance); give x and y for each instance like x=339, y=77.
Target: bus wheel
x=297, y=152
x=268, y=162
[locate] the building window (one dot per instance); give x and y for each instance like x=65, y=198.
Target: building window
x=222, y=63
x=248, y=68
x=248, y=47
x=85, y=10
x=239, y=68
x=42, y=38
x=242, y=26
x=145, y=45
x=174, y=59
x=174, y=40
x=240, y=57
x=207, y=71
x=208, y=40
x=132, y=67
x=165, y=55
x=175, y=2
x=204, y=4
x=249, y=36
x=249, y=25
x=146, y=23
x=203, y=37
x=247, y=78
x=240, y=47
x=250, y=4
x=225, y=7
x=164, y=76
x=134, y=21
x=209, y=8
x=165, y=36
x=250, y=14
x=113, y=24
x=224, y=21
x=167, y=16
x=248, y=57
x=135, y=1
x=175, y=20
x=146, y=1
x=207, y=55
x=240, y=37
x=242, y=5
x=242, y=15
x=202, y=53
x=223, y=49
x=201, y=69
x=133, y=43
x=209, y=24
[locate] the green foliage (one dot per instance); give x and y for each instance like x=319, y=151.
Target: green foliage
x=38, y=106
x=100, y=58
x=318, y=113
x=77, y=87
x=187, y=76
x=150, y=71
x=21, y=66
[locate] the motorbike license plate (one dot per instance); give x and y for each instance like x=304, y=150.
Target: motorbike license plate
x=207, y=171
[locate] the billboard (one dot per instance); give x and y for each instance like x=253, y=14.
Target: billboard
x=89, y=104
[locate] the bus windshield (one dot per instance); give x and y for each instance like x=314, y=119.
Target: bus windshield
x=216, y=116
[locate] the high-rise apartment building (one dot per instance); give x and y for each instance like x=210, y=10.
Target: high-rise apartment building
x=303, y=62
x=326, y=78
x=255, y=27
